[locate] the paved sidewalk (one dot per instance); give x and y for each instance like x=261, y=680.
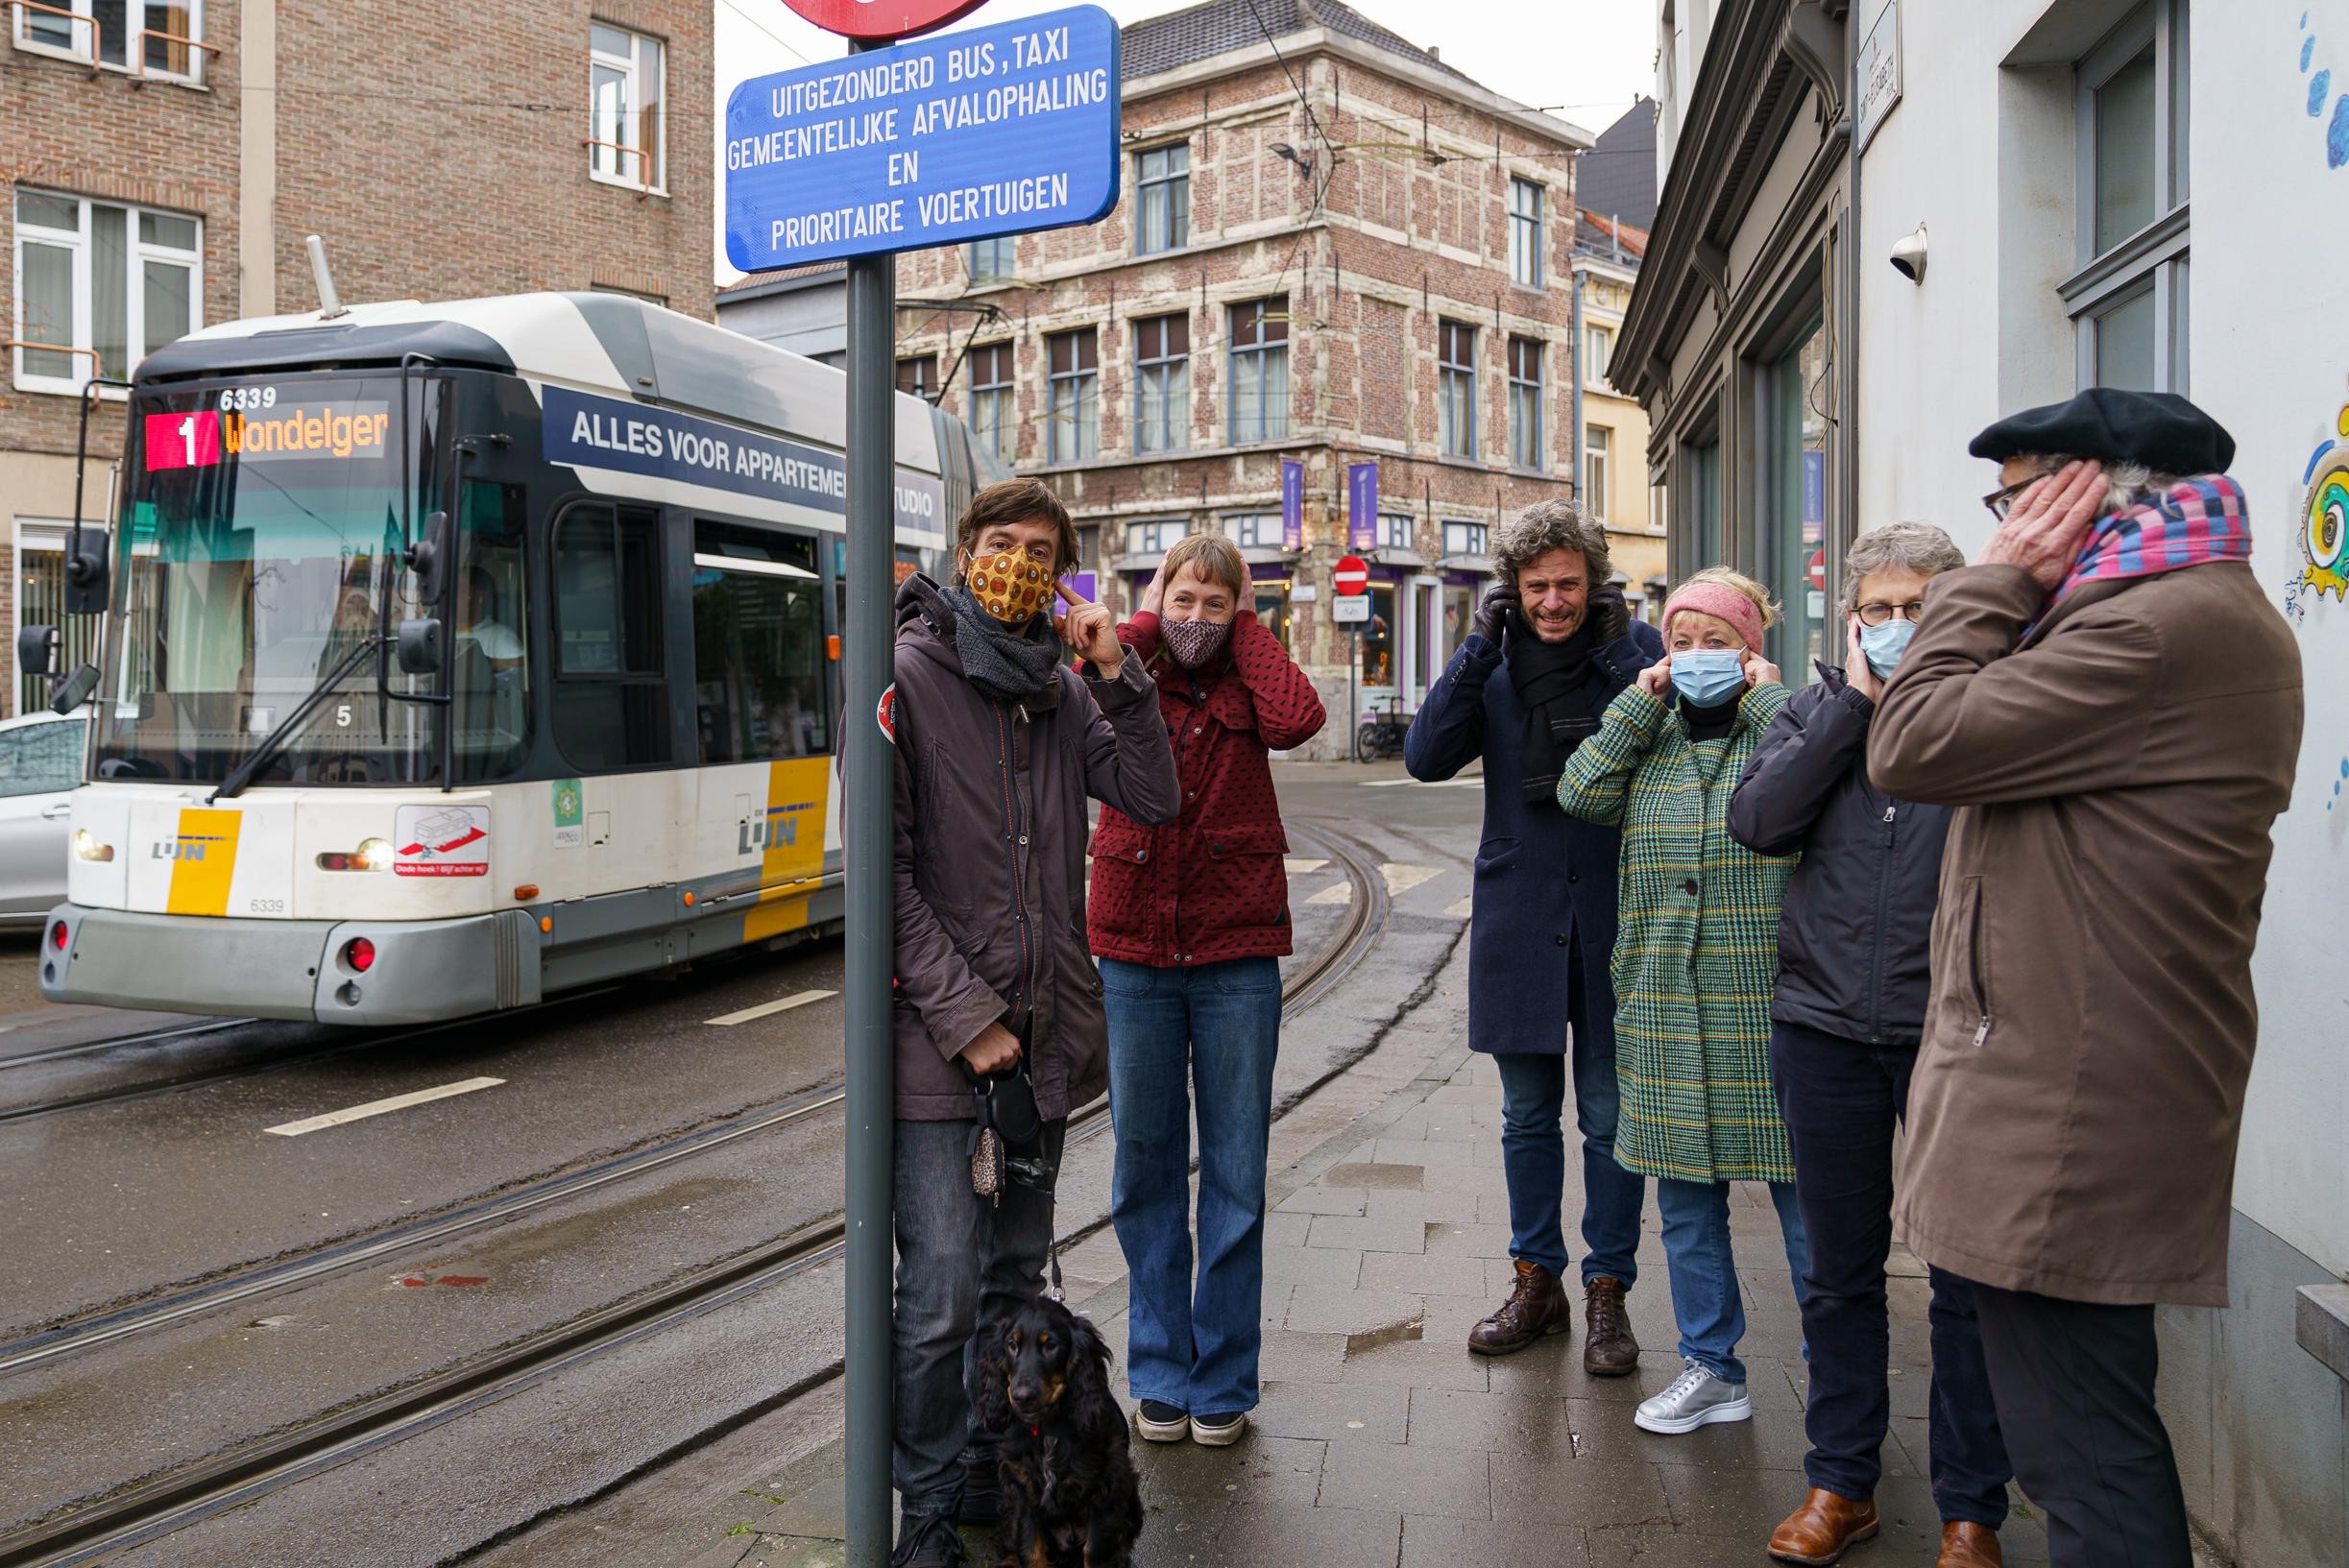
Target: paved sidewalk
x=1381, y=1441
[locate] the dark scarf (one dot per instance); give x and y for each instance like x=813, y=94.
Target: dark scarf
x=1714, y=722
x=1001, y=661
x=1549, y=677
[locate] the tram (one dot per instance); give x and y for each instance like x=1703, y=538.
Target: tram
x=460, y=654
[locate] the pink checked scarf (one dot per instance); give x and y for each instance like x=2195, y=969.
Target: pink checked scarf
x=2198, y=520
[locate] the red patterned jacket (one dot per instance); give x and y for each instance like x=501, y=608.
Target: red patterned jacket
x=1210, y=884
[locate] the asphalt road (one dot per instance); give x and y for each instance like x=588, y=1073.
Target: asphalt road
x=127, y=1204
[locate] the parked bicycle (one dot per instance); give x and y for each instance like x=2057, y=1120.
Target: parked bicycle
x=1381, y=731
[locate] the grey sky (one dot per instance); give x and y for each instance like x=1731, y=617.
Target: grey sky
x=1585, y=59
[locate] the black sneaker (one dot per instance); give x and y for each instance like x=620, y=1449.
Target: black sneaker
x=981, y=1505
x=928, y=1540
x=1218, y=1431
x=1160, y=1422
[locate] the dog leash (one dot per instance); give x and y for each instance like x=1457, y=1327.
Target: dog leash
x=1051, y=1255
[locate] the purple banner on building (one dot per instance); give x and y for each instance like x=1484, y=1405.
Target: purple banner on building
x=1084, y=585
x=1292, y=505
x=1362, y=506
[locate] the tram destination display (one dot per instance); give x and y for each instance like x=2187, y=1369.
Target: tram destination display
x=967, y=136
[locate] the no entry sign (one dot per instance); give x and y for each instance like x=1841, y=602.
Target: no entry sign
x=988, y=132
x=1352, y=576
x=882, y=18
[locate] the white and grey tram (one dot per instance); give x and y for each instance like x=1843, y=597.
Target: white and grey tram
x=459, y=654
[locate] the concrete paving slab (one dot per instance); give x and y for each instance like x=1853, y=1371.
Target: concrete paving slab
x=1432, y=1542
x=1447, y=1482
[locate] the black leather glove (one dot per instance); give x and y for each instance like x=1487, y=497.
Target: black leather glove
x=1492, y=609
x=1610, y=617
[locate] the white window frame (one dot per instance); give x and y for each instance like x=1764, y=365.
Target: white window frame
x=1598, y=449
x=136, y=20
x=1471, y=539
x=84, y=331
x=1155, y=537
x=1253, y=530
x=1394, y=531
x=2156, y=259
x=1598, y=354
x=631, y=67
x=1525, y=230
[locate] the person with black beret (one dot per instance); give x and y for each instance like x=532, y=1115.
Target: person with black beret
x=2113, y=708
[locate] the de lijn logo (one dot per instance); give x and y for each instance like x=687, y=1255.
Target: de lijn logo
x=185, y=847
x=776, y=825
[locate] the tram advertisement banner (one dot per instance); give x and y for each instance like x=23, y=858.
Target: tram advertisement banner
x=966, y=136
x=588, y=431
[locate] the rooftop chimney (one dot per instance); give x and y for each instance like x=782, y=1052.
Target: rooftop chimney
x=1434, y=52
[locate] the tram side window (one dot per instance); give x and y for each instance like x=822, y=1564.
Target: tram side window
x=610, y=701
x=759, y=655
x=493, y=673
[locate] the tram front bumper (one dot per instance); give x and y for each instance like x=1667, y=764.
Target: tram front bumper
x=421, y=971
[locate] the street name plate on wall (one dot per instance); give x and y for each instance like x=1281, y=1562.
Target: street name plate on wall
x=1880, y=71
x=966, y=136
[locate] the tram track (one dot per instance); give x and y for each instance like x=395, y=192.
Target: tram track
x=146, y=1509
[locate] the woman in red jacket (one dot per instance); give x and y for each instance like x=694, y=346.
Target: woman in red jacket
x=1190, y=920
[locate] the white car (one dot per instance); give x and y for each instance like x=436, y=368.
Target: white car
x=40, y=762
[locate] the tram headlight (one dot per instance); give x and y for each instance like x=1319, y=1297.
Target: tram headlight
x=87, y=847
x=371, y=854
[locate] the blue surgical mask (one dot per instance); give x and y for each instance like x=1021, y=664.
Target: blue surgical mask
x=1707, y=677
x=1884, y=644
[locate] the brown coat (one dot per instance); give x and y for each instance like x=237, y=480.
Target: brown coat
x=2073, y=1121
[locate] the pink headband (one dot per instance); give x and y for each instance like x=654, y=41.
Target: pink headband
x=1721, y=600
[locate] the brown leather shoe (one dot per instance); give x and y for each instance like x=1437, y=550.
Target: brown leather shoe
x=1969, y=1545
x=1817, y=1533
x=1608, y=1348
x=1536, y=1306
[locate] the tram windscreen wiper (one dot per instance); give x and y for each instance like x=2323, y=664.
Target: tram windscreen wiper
x=275, y=741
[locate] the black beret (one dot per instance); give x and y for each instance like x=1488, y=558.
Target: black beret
x=2159, y=429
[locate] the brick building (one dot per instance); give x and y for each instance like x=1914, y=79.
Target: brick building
x=1331, y=249
x=164, y=158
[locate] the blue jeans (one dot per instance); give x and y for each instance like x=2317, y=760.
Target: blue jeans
x=1706, y=1301
x=1840, y=1099
x=1209, y=1031
x=1534, y=1151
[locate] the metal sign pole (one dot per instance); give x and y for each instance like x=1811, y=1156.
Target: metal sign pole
x=870, y=829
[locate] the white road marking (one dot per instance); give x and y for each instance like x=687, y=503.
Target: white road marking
x=782, y=1006
x=1463, y=908
x=378, y=1107
x=1336, y=893
x=1471, y=782
x=1300, y=868
x=1401, y=879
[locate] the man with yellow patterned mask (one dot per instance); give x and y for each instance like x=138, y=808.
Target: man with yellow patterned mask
x=998, y=742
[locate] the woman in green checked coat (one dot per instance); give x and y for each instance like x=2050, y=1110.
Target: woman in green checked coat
x=1696, y=954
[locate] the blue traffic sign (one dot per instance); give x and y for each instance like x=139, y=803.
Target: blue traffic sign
x=961, y=136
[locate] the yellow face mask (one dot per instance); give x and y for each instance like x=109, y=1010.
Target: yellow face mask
x=1011, y=586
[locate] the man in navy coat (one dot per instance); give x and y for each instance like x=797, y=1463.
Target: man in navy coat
x=1553, y=645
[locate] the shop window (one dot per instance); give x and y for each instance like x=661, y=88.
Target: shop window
x=1796, y=538
x=1378, y=637
x=1271, y=606
x=1075, y=430
x=758, y=656
x=611, y=705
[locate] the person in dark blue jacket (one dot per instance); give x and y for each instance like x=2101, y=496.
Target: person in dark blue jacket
x=1854, y=945
x=1553, y=645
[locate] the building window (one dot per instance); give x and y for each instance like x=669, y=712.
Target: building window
x=1260, y=371
x=1456, y=389
x=1075, y=429
x=1255, y=530
x=919, y=377
x=1465, y=538
x=993, y=262
x=1525, y=403
x=104, y=283
x=1794, y=542
x=1525, y=232
x=1377, y=636
x=2128, y=299
x=991, y=398
x=1394, y=530
x=1153, y=538
x=145, y=37
x=1596, y=439
x=1599, y=352
x=1162, y=199
x=1162, y=384
x=629, y=141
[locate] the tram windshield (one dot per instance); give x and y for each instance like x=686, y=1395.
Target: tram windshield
x=255, y=556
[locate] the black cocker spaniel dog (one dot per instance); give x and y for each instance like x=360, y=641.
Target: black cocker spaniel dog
x=1070, y=1495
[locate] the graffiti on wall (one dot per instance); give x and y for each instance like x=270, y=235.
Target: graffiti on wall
x=2323, y=522
x=2320, y=87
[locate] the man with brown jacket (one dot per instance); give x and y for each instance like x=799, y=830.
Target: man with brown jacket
x=2114, y=709
x=998, y=743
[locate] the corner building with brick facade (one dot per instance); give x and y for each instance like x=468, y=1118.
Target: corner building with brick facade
x=1312, y=259
x=165, y=159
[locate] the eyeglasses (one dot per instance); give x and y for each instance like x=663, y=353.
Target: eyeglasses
x=1878, y=613
x=2002, y=501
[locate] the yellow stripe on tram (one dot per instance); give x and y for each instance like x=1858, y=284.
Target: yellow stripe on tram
x=203, y=863
x=792, y=868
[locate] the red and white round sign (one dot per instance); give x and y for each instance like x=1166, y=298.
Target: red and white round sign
x=1352, y=576
x=882, y=18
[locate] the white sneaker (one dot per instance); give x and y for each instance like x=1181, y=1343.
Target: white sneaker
x=1218, y=1431
x=1696, y=1398
x=1161, y=1423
